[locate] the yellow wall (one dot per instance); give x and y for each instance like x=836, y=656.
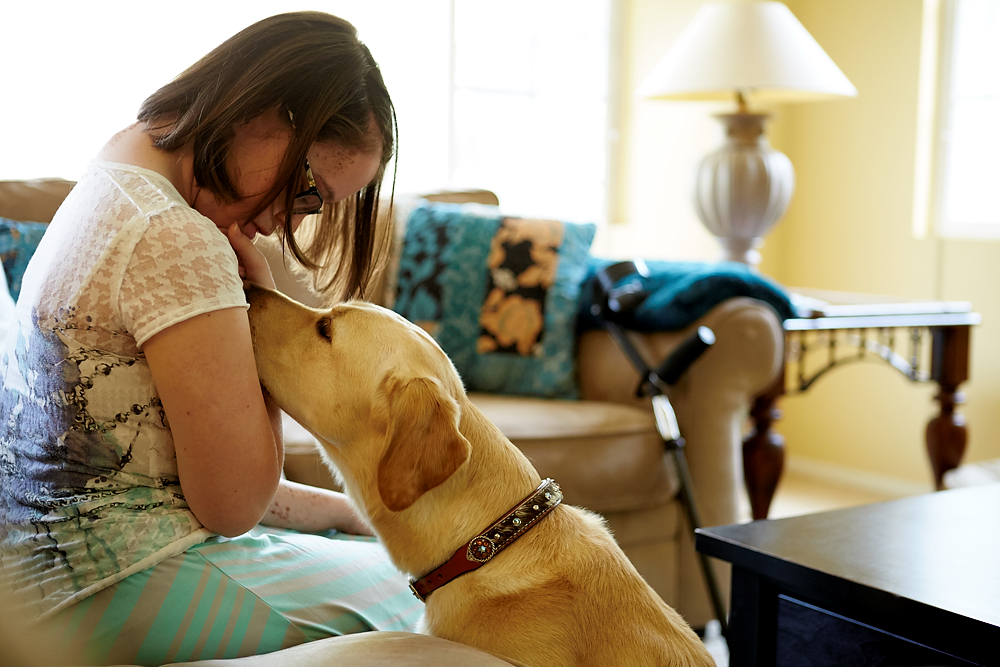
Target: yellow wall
x=658, y=146
x=848, y=227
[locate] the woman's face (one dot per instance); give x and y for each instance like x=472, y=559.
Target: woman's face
x=339, y=173
x=258, y=150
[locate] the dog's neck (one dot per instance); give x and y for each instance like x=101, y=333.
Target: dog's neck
x=488, y=543
x=496, y=477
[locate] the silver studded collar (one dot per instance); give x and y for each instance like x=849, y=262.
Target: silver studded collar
x=482, y=548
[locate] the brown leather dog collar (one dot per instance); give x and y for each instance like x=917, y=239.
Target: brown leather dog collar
x=482, y=548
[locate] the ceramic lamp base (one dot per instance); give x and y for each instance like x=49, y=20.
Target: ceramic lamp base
x=743, y=189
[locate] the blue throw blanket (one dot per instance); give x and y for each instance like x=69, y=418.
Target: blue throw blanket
x=681, y=292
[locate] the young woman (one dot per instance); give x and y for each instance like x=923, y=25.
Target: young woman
x=139, y=453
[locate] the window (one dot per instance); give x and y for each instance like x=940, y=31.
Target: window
x=531, y=104
x=962, y=169
x=510, y=96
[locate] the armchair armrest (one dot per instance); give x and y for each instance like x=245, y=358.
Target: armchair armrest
x=34, y=201
x=711, y=400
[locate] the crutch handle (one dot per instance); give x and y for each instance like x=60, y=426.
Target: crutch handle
x=674, y=366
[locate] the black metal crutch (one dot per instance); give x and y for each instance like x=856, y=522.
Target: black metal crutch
x=621, y=291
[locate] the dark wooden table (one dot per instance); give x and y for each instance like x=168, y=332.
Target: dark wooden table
x=927, y=341
x=908, y=582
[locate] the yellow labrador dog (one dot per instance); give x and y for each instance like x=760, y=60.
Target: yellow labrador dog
x=432, y=476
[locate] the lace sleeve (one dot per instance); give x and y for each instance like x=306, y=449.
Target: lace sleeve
x=181, y=267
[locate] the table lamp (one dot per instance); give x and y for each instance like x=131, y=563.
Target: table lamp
x=755, y=50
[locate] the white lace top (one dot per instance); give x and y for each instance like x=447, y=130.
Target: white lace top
x=89, y=491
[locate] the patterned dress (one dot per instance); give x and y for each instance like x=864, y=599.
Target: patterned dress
x=89, y=489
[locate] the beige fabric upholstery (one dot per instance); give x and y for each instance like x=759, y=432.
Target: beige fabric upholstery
x=711, y=401
x=369, y=649
x=39, y=647
x=607, y=457
x=463, y=197
x=32, y=201
x=712, y=398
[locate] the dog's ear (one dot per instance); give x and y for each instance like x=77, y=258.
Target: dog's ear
x=425, y=445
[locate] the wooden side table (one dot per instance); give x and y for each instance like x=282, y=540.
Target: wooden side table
x=928, y=341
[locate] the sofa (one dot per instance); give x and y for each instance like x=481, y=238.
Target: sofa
x=602, y=447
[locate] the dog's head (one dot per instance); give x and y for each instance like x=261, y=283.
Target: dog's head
x=377, y=391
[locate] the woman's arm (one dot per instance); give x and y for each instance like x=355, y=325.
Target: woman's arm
x=312, y=509
x=229, y=457
x=226, y=430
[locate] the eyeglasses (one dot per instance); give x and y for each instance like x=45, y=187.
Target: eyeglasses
x=308, y=201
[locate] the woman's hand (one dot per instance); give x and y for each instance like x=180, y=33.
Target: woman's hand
x=253, y=266
x=312, y=509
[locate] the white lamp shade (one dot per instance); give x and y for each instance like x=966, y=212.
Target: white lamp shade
x=756, y=48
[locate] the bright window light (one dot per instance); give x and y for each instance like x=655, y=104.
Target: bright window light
x=969, y=132
x=510, y=97
x=531, y=104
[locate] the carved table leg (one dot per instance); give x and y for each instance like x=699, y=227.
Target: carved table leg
x=764, y=450
x=947, y=434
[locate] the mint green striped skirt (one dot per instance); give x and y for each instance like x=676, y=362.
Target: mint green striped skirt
x=229, y=597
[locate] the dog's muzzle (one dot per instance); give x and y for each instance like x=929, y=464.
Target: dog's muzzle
x=482, y=548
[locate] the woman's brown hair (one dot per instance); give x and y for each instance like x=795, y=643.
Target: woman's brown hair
x=313, y=65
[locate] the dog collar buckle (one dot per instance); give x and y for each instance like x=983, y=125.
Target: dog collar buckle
x=416, y=593
x=482, y=548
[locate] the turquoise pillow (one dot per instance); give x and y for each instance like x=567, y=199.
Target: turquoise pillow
x=499, y=294
x=18, y=241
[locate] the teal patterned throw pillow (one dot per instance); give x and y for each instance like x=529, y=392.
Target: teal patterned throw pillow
x=18, y=241
x=499, y=294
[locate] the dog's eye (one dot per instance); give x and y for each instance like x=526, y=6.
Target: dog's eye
x=323, y=328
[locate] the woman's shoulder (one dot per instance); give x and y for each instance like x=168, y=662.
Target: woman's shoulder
x=133, y=214
x=153, y=203
x=148, y=190
x=131, y=159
